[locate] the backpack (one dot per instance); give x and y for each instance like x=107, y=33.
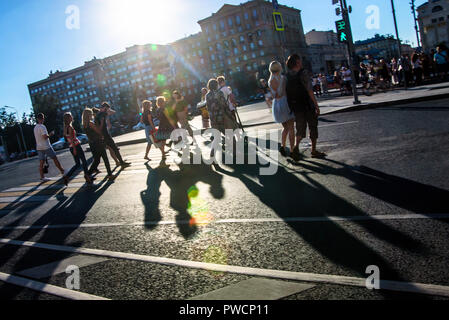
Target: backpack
x=297, y=94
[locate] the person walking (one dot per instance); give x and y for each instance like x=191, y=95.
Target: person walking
x=227, y=92
x=441, y=60
x=417, y=68
x=181, y=107
x=281, y=112
x=203, y=108
x=44, y=148
x=75, y=148
x=150, y=128
x=266, y=93
x=96, y=140
x=110, y=112
x=220, y=115
x=303, y=104
x=167, y=123
x=101, y=121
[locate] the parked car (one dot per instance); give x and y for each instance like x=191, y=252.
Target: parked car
x=82, y=138
x=31, y=153
x=60, y=144
x=139, y=126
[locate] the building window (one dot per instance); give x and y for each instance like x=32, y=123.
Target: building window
x=230, y=21
x=246, y=16
x=237, y=20
x=437, y=9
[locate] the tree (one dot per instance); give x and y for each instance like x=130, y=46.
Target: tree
x=49, y=106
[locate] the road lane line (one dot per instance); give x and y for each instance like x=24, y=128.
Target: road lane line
x=411, y=216
x=47, y=288
x=337, y=124
x=413, y=287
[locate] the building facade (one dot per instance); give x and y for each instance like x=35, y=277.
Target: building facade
x=238, y=39
x=378, y=46
x=326, y=53
x=433, y=20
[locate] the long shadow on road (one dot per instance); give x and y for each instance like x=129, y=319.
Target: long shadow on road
x=289, y=196
x=179, y=182
x=72, y=211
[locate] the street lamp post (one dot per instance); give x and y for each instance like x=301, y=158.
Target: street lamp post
x=21, y=131
x=399, y=41
x=345, y=14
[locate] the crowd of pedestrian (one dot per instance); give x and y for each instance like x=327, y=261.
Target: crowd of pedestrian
x=290, y=95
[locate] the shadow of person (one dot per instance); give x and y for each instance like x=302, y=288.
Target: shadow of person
x=289, y=196
x=404, y=193
x=179, y=182
x=65, y=217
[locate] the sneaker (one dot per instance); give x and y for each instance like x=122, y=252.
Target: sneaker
x=295, y=154
x=282, y=151
x=45, y=179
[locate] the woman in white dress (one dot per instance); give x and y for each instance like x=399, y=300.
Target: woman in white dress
x=281, y=111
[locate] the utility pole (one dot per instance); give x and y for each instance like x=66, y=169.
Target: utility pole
x=345, y=14
x=399, y=42
x=416, y=22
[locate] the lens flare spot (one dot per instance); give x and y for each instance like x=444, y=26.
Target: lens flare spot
x=161, y=80
x=154, y=47
x=198, y=208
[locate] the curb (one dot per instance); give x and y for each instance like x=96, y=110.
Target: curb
x=389, y=103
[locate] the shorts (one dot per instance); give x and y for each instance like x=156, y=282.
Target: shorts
x=49, y=153
x=306, y=118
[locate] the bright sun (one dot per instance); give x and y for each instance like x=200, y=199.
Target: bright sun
x=143, y=21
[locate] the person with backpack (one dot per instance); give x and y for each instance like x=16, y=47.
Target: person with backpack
x=303, y=104
x=96, y=142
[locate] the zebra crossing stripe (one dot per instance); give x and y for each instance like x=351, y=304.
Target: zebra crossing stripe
x=47, y=288
x=412, y=287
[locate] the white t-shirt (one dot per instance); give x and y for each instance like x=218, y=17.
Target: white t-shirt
x=41, y=142
x=227, y=93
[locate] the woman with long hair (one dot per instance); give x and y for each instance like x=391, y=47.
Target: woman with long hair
x=417, y=68
x=98, y=148
x=75, y=148
x=150, y=129
x=281, y=112
x=203, y=108
x=167, y=123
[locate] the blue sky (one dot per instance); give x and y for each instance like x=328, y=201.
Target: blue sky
x=34, y=38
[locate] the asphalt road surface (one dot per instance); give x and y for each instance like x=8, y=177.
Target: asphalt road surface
x=380, y=198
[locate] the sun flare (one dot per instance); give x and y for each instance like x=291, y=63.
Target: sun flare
x=143, y=21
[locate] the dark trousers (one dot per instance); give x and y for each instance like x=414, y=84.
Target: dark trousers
x=110, y=142
x=78, y=157
x=98, y=152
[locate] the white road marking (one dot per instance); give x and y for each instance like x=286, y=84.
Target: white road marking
x=410, y=216
x=413, y=287
x=57, y=267
x=255, y=289
x=47, y=288
x=337, y=124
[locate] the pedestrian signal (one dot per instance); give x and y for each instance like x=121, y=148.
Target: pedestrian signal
x=342, y=31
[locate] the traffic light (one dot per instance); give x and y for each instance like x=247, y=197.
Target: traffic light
x=342, y=31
